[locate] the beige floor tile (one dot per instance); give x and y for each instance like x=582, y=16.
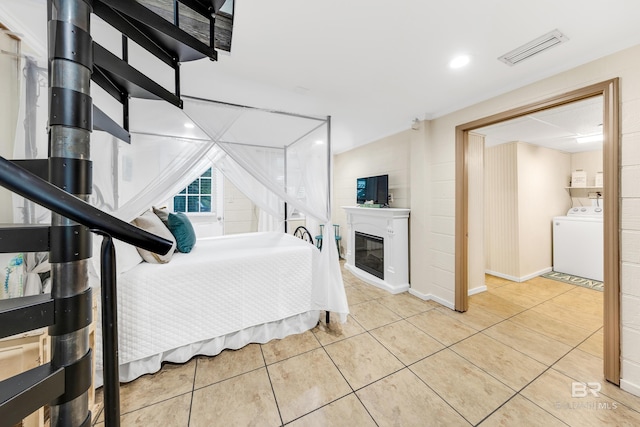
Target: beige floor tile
x=293, y=345
x=495, y=304
x=541, y=287
x=568, y=334
x=402, y=399
x=243, y=400
x=347, y=412
x=469, y=390
x=355, y=295
x=585, y=367
x=571, y=315
x=514, y=294
x=348, y=329
x=406, y=342
x=542, y=283
x=173, y=412
x=227, y=364
x=406, y=305
x=444, y=328
x=306, y=382
x=552, y=391
x=372, y=314
x=172, y=380
x=539, y=347
x=583, y=295
x=521, y=412
x=501, y=361
x=494, y=282
x=362, y=360
x=594, y=344
x=372, y=292
x=475, y=316
x=575, y=300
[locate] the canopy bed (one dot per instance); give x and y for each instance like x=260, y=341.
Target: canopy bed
x=232, y=290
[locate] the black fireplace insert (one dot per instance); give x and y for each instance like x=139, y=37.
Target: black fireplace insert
x=369, y=254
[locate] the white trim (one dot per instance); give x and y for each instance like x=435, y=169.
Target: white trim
x=373, y=280
x=26, y=35
x=519, y=279
x=477, y=290
x=430, y=297
x=630, y=387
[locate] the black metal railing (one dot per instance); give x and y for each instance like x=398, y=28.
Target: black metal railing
x=19, y=396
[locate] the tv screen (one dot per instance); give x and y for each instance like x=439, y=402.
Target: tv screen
x=373, y=189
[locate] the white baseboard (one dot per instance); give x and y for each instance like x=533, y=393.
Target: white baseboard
x=519, y=279
x=630, y=387
x=477, y=290
x=430, y=297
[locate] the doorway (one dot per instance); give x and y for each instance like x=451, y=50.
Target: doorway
x=610, y=152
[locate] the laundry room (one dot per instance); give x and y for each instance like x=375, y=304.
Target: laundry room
x=543, y=195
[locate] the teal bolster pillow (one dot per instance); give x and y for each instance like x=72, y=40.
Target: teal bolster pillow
x=182, y=230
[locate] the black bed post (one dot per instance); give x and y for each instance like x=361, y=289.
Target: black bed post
x=329, y=163
x=70, y=124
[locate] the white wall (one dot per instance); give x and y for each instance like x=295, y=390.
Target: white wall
x=390, y=156
x=542, y=173
x=501, y=210
x=441, y=143
x=590, y=162
x=476, y=267
x=240, y=214
x=431, y=188
x=9, y=85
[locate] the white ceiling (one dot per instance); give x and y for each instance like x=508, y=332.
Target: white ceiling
x=557, y=128
x=373, y=65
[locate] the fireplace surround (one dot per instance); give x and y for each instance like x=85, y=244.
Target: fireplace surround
x=379, y=253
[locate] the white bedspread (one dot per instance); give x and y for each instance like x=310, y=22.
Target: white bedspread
x=227, y=284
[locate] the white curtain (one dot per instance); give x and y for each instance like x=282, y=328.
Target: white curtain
x=283, y=158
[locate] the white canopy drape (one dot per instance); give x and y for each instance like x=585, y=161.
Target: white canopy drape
x=272, y=157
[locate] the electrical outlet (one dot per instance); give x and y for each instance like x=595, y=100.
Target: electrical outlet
x=390, y=198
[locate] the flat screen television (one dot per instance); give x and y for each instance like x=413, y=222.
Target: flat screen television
x=373, y=189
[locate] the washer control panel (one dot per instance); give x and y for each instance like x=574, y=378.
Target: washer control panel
x=585, y=211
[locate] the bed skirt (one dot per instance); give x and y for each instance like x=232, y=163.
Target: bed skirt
x=236, y=340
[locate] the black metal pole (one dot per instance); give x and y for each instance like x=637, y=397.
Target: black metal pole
x=111, y=375
x=70, y=106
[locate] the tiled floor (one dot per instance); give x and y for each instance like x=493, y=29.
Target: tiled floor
x=511, y=360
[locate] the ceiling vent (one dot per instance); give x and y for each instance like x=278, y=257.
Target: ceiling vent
x=534, y=47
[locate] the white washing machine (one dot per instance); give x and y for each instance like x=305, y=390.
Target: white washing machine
x=578, y=242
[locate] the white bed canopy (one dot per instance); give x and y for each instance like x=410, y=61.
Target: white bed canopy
x=276, y=159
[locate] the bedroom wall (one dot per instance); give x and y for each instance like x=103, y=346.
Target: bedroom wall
x=436, y=264
x=240, y=215
x=390, y=155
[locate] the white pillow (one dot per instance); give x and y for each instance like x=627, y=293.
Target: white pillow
x=150, y=222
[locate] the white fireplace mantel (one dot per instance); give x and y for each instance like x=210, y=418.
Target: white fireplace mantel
x=392, y=224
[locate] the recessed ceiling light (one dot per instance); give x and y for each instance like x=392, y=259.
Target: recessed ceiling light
x=589, y=138
x=189, y=125
x=459, y=61
x=319, y=142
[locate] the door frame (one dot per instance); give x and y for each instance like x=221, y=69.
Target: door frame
x=609, y=90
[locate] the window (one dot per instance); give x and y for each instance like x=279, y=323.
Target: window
x=197, y=196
